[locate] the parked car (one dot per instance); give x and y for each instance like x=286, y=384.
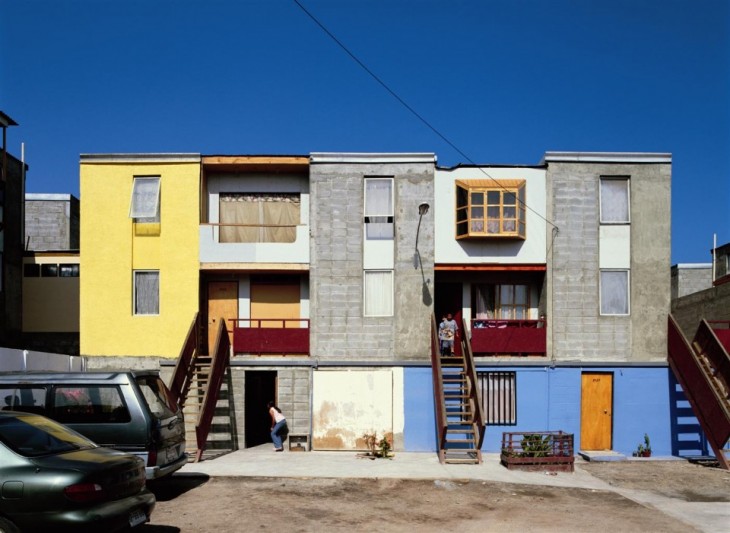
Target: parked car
x=54, y=478
x=128, y=411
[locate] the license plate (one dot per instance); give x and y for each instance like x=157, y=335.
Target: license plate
x=137, y=517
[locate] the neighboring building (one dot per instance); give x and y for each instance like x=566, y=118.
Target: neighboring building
x=51, y=222
x=328, y=275
x=688, y=278
x=51, y=273
x=704, y=298
x=12, y=188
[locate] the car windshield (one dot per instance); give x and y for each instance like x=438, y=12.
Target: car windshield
x=36, y=436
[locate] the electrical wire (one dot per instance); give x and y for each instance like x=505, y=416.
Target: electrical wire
x=409, y=108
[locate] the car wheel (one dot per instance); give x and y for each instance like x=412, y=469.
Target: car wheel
x=6, y=526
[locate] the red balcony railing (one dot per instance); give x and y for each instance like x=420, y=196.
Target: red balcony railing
x=281, y=336
x=508, y=337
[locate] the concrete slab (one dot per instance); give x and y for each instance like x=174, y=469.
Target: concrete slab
x=602, y=456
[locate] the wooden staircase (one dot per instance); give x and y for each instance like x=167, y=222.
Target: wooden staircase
x=458, y=411
x=703, y=370
x=202, y=387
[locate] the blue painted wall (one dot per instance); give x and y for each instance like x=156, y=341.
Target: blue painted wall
x=548, y=399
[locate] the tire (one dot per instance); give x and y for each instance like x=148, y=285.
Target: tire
x=6, y=526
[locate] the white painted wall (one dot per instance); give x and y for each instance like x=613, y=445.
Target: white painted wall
x=346, y=404
x=614, y=246
x=506, y=251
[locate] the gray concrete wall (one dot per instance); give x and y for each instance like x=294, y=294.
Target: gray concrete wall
x=339, y=330
x=690, y=279
x=577, y=331
x=51, y=222
x=710, y=304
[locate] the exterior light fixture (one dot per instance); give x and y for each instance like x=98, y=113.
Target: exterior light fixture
x=422, y=210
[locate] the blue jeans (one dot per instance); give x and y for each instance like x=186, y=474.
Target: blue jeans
x=275, y=433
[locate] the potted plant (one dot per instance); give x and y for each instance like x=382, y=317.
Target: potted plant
x=643, y=449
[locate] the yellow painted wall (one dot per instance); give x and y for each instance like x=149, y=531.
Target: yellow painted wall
x=111, y=250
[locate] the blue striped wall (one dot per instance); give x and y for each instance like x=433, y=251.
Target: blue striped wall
x=646, y=400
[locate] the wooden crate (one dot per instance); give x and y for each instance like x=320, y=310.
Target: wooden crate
x=538, y=451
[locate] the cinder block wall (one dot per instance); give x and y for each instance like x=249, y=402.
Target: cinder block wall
x=339, y=330
x=52, y=222
x=690, y=279
x=577, y=330
x=710, y=304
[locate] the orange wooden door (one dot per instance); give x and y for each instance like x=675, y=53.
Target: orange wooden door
x=275, y=301
x=596, y=411
x=222, y=303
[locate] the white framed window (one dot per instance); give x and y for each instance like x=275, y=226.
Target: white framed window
x=378, y=293
x=614, y=193
x=379, y=208
x=615, y=290
x=145, y=203
x=146, y=292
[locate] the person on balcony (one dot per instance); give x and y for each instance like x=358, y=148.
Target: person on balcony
x=279, y=429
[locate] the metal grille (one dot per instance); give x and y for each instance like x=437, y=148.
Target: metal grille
x=498, y=394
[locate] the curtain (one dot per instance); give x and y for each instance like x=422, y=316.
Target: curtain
x=259, y=217
x=145, y=198
x=485, y=302
x=146, y=293
x=378, y=293
x=614, y=200
x=379, y=208
x=615, y=292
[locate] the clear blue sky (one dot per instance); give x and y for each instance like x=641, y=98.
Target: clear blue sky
x=504, y=81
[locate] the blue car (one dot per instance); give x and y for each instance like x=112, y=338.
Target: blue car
x=52, y=478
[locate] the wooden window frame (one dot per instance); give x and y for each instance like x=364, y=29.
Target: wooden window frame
x=474, y=218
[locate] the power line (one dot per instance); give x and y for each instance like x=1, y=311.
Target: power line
x=409, y=108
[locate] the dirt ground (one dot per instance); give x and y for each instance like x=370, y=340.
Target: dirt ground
x=196, y=503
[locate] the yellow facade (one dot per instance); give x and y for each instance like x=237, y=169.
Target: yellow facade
x=113, y=247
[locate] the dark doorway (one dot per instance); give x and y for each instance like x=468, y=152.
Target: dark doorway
x=449, y=300
x=260, y=390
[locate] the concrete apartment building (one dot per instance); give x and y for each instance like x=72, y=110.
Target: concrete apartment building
x=328, y=269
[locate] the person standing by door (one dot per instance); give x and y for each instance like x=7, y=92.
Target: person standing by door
x=278, y=427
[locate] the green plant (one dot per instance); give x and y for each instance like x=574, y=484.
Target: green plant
x=535, y=445
x=643, y=449
x=379, y=447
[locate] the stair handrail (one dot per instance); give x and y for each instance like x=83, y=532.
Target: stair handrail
x=185, y=365
x=438, y=390
x=714, y=349
x=695, y=381
x=471, y=372
x=218, y=364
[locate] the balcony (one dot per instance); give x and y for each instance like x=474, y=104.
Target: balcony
x=508, y=337
x=271, y=336
x=213, y=251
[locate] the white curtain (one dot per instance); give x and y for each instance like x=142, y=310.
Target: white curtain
x=378, y=293
x=259, y=217
x=145, y=198
x=615, y=292
x=378, y=208
x=485, y=302
x=146, y=293
x=614, y=200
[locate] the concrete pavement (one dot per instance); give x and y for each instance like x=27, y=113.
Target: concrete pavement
x=262, y=461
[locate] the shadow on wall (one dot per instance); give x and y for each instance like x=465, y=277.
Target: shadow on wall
x=688, y=439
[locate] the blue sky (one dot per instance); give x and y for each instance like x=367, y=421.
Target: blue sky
x=504, y=81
